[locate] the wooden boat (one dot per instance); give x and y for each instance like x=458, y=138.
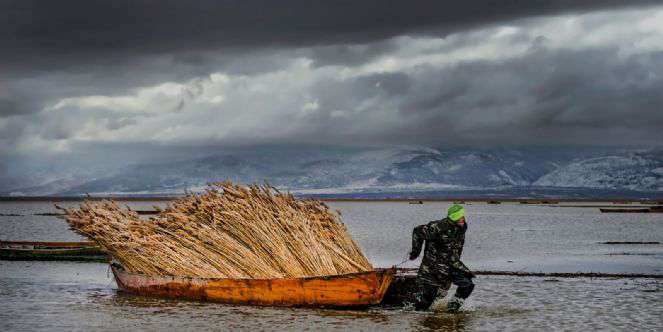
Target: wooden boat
x=539, y=202
x=630, y=242
x=51, y=251
x=625, y=210
x=348, y=290
x=653, y=209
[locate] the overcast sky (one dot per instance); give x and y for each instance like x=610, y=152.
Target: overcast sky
x=76, y=76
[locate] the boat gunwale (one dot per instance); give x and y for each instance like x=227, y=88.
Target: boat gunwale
x=120, y=268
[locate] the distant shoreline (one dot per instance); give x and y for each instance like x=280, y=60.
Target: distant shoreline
x=414, y=200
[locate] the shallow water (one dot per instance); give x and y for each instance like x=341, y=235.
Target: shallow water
x=82, y=296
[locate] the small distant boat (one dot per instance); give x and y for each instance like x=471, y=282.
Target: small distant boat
x=416, y=202
x=347, y=290
x=630, y=242
x=494, y=202
x=539, y=202
x=653, y=209
x=51, y=251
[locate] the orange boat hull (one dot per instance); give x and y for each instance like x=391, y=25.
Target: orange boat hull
x=348, y=290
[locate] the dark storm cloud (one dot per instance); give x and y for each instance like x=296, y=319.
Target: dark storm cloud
x=349, y=54
x=56, y=50
x=591, y=96
x=53, y=34
x=546, y=95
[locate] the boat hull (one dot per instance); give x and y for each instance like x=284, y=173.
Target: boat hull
x=630, y=210
x=349, y=290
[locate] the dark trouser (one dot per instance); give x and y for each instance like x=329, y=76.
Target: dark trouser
x=427, y=290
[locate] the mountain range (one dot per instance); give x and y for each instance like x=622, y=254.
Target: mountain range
x=376, y=170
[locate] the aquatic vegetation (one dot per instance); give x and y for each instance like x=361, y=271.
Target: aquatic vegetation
x=229, y=231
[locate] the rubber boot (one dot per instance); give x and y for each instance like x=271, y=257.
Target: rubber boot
x=454, y=304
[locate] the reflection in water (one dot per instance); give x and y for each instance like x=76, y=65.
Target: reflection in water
x=121, y=298
x=442, y=321
x=130, y=305
x=372, y=315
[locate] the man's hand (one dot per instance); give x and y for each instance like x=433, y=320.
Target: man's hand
x=470, y=275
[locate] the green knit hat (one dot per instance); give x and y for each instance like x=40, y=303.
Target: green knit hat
x=456, y=212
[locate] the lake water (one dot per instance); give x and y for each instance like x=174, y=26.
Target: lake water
x=513, y=237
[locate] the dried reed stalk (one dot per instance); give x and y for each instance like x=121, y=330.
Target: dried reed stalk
x=229, y=231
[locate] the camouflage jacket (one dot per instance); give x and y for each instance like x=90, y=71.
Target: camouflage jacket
x=444, y=245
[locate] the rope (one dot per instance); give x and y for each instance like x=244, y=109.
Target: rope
x=406, y=258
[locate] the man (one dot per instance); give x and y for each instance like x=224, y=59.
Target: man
x=441, y=264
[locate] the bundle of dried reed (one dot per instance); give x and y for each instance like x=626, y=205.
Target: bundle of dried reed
x=229, y=231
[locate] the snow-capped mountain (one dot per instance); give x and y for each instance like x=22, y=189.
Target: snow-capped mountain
x=320, y=170
x=635, y=171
